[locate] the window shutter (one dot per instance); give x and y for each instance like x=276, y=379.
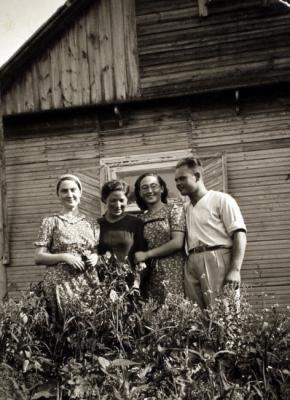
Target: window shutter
x=215, y=176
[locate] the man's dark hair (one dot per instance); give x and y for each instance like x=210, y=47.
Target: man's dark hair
x=192, y=163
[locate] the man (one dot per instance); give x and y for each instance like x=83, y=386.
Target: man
x=215, y=237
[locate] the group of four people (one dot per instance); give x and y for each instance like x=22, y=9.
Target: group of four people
x=192, y=249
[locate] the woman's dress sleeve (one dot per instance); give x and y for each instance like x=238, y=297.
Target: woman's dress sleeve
x=177, y=218
x=45, y=233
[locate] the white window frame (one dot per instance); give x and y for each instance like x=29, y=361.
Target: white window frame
x=110, y=166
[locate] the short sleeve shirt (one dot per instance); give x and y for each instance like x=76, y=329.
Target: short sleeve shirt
x=212, y=220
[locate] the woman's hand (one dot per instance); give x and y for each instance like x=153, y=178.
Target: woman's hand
x=44, y=257
x=74, y=261
x=173, y=245
x=92, y=260
x=141, y=256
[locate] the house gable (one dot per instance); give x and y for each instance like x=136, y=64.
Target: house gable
x=90, y=58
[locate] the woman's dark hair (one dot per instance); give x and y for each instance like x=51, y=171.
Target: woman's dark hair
x=140, y=202
x=113, y=186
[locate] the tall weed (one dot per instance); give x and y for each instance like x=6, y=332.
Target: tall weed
x=111, y=344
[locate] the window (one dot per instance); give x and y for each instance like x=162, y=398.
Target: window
x=130, y=167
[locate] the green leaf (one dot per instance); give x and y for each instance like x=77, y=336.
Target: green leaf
x=27, y=353
x=143, y=372
x=113, y=296
x=47, y=394
x=138, y=389
x=260, y=394
x=104, y=363
x=25, y=365
x=122, y=362
x=117, y=395
x=161, y=349
x=286, y=372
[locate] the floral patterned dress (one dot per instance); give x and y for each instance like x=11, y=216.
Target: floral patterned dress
x=167, y=272
x=62, y=234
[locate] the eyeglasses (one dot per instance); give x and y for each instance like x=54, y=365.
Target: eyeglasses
x=154, y=186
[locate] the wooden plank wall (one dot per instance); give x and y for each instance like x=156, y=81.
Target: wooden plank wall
x=36, y=154
x=257, y=147
x=257, y=143
x=146, y=130
x=237, y=44
x=151, y=130
x=3, y=215
x=95, y=61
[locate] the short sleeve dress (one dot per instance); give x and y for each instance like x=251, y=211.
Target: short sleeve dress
x=62, y=234
x=167, y=272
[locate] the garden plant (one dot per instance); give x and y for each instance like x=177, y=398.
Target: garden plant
x=108, y=343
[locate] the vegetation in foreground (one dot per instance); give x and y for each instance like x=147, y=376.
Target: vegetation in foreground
x=108, y=344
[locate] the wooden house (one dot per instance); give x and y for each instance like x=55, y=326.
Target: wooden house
x=114, y=87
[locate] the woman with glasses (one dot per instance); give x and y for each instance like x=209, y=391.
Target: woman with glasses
x=164, y=230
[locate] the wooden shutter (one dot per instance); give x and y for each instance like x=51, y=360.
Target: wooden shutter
x=215, y=174
x=90, y=201
x=129, y=168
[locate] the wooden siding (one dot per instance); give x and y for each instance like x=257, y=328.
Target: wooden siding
x=94, y=61
x=236, y=45
x=256, y=143
x=34, y=161
x=257, y=148
x=146, y=130
x=4, y=239
x=103, y=58
x=259, y=180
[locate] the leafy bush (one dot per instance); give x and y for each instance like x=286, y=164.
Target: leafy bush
x=110, y=344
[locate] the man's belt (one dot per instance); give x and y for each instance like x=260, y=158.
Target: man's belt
x=202, y=249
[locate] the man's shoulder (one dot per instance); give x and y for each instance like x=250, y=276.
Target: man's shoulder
x=216, y=194
x=223, y=200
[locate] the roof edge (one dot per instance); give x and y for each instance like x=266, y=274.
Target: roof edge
x=39, y=40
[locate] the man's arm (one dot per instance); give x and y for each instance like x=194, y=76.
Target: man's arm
x=238, y=252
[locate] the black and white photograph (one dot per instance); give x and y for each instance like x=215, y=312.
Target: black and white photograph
x=145, y=200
